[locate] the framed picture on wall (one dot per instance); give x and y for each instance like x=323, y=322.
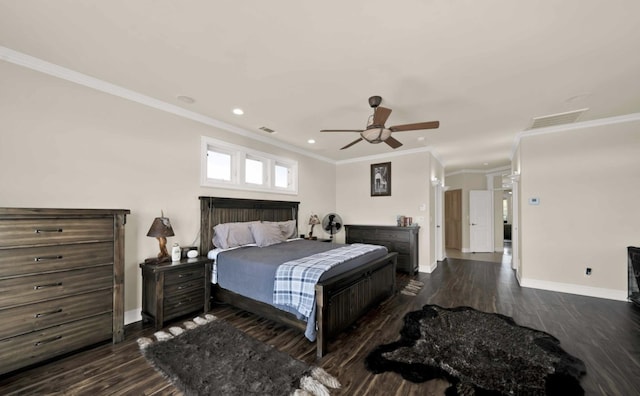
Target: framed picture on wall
x=381, y=179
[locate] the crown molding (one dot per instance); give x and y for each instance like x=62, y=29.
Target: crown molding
x=427, y=149
x=495, y=171
x=33, y=63
x=571, y=127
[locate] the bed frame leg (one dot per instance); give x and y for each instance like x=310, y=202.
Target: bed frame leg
x=321, y=318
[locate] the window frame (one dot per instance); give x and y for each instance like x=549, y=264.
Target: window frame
x=239, y=155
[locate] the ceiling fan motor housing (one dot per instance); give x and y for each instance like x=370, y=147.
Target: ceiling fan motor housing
x=375, y=134
x=375, y=101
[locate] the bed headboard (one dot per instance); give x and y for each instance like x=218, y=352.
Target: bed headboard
x=215, y=210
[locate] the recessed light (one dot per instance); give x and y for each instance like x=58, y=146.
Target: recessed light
x=186, y=99
x=485, y=163
x=311, y=141
x=421, y=138
x=238, y=111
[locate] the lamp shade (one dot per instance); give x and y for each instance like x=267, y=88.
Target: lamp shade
x=313, y=220
x=161, y=227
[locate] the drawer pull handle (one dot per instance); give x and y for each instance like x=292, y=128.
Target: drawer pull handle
x=43, y=230
x=52, y=339
x=185, y=286
x=185, y=275
x=40, y=287
x=39, y=315
x=47, y=258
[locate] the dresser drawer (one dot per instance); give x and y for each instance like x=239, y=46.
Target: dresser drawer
x=31, y=260
x=184, y=275
x=28, y=289
x=27, y=232
x=183, y=303
x=37, y=316
x=183, y=287
x=392, y=235
x=34, y=347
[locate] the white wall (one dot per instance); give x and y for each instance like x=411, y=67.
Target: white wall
x=588, y=184
x=411, y=177
x=63, y=145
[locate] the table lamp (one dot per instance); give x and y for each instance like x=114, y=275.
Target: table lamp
x=161, y=229
x=313, y=220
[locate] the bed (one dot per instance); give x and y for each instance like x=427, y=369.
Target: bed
x=341, y=297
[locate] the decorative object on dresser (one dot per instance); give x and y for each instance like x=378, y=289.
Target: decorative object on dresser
x=161, y=229
x=313, y=221
x=209, y=356
x=62, y=282
x=173, y=289
x=403, y=240
x=478, y=353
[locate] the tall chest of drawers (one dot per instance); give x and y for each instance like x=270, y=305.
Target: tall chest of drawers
x=61, y=282
x=403, y=240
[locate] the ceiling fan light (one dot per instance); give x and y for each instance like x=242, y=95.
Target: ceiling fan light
x=376, y=135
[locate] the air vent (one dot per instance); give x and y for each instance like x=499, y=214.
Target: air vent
x=267, y=130
x=557, y=119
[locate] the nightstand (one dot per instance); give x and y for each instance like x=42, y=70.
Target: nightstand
x=173, y=289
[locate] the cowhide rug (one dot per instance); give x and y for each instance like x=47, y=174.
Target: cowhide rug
x=478, y=353
x=208, y=356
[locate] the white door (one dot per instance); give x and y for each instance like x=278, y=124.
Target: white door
x=481, y=221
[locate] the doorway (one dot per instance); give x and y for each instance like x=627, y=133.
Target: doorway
x=453, y=219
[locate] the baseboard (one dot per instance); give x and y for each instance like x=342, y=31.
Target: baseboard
x=465, y=250
x=132, y=316
x=428, y=269
x=610, y=294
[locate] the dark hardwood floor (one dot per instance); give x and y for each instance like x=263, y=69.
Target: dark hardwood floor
x=604, y=334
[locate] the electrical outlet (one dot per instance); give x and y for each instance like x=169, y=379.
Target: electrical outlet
x=588, y=271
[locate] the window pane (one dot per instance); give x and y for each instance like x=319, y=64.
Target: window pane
x=218, y=165
x=253, y=171
x=282, y=176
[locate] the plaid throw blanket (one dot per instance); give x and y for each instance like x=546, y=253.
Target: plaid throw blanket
x=295, y=280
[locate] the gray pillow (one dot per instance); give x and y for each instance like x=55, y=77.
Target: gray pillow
x=288, y=229
x=229, y=235
x=267, y=234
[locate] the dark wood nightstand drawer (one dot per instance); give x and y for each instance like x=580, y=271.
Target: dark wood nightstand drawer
x=184, y=303
x=23, y=261
x=40, y=345
x=183, y=275
x=54, y=231
x=33, y=317
x=27, y=289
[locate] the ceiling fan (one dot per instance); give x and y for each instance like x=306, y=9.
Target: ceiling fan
x=376, y=132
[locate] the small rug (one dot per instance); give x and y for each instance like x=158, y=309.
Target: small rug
x=478, y=353
x=208, y=356
x=412, y=288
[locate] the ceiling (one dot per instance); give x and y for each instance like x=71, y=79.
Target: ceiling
x=484, y=69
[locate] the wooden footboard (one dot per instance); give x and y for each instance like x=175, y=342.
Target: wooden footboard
x=340, y=300
x=343, y=299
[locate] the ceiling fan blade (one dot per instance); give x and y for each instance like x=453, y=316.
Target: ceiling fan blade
x=341, y=130
x=416, y=126
x=380, y=115
x=393, y=142
x=351, y=144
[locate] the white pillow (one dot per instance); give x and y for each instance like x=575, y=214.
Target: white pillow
x=266, y=234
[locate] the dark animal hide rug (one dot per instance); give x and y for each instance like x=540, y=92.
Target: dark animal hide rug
x=211, y=357
x=478, y=353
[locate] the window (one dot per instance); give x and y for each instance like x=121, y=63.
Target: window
x=226, y=165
